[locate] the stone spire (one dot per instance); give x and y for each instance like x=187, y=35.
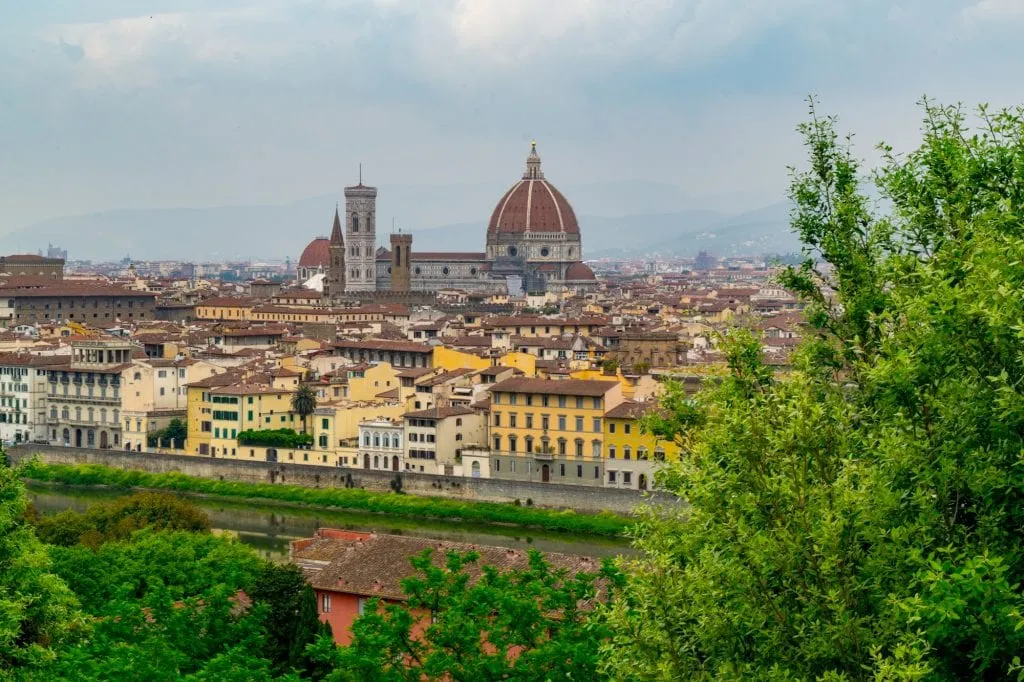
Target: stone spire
x=533, y=171
x=336, y=237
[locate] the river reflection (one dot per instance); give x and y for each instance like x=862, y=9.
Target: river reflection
x=268, y=528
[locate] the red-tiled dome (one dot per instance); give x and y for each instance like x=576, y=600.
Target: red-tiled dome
x=316, y=254
x=533, y=205
x=580, y=272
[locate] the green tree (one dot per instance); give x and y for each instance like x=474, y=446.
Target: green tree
x=38, y=613
x=118, y=519
x=175, y=433
x=531, y=624
x=861, y=517
x=304, y=404
x=292, y=621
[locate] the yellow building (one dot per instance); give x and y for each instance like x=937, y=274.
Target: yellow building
x=450, y=359
x=550, y=431
x=221, y=407
x=225, y=308
x=630, y=452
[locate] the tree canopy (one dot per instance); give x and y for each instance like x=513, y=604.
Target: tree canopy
x=862, y=516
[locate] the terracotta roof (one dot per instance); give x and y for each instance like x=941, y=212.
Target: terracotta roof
x=71, y=289
x=580, y=272
x=446, y=256
x=629, y=409
x=316, y=254
x=533, y=205
x=31, y=258
x=440, y=413
x=385, y=344
x=573, y=387
x=228, y=302
x=374, y=565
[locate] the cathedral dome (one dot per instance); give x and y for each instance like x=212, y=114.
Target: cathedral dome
x=317, y=254
x=580, y=272
x=533, y=205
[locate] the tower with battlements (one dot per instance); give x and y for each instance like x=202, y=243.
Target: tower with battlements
x=360, y=237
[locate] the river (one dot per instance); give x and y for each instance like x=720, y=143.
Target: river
x=268, y=528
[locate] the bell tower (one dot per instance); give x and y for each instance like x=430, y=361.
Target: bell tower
x=334, y=278
x=361, y=237
x=401, y=250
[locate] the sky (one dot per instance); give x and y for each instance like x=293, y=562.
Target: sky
x=116, y=104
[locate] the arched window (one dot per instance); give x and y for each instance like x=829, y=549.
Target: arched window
x=53, y=412
x=376, y=462
x=387, y=440
x=497, y=443
x=561, y=446
x=627, y=453
x=458, y=421
x=659, y=454
x=355, y=222
x=376, y=440
x=397, y=441
x=529, y=443
x=641, y=453
x=611, y=452
x=595, y=449
x=512, y=443
x=91, y=413
x=103, y=415
x=366, y=439
x=78, y=414
x=579, y=447
x=323, y=441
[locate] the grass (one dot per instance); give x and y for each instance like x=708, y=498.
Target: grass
x=355, y=499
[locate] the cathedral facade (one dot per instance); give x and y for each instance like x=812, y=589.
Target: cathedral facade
x=533, y=244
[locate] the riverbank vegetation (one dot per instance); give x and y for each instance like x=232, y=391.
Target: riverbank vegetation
x=355, y=499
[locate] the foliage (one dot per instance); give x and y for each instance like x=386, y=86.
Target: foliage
x=610, y=366
x=535, y=623
x=642, y=367
x=304, y=404
x=38, y=613
x=342, y=498
x=861, y=517
x=175, y=432
x=292, y=622
x=118, y=519
x=275, y=438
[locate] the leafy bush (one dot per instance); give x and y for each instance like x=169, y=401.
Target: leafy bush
x=275, y=438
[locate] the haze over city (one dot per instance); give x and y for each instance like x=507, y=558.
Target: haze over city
x=115, y=104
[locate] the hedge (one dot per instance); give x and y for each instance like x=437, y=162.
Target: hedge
x=356, y=499
x=275, y=438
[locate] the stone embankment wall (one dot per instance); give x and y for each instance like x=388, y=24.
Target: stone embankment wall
x=581, y=499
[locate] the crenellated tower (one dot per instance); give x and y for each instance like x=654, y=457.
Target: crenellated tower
x=401, y=251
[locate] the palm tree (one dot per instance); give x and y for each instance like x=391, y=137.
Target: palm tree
x=304, y=404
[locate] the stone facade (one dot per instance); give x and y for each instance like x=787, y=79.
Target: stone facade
x=360, y=238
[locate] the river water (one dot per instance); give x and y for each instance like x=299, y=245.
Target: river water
x=268, y=528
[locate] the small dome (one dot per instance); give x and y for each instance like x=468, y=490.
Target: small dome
x=317, y=254
x=533, y=205
x=580, y=272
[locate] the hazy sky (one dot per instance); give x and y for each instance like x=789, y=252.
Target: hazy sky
x=110, y=104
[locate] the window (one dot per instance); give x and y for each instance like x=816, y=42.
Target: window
x=627, y=428
x=512, y=441
x=497, y=418
x=641, y=453
x=544, y=400
x=497, y=443
x=627, y=477
x=597, y=425
x=611, y=476
x=595, y=449
x=544, y=420
x=579, y=424
x=597, y=473
x=659, y=454
x=324, y=423
x=611, y=452
x=512, y=399
x=528, y=440
x=561, y=401
x=561, y=446
x=529, y=421
x=579, y=403
x=512, y=421
x=579, y=471
x=561, y=469
x=579, y=447
x=627, y=453
x=611, y=427
x=561, y=422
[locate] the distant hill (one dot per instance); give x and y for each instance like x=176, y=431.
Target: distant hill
x=627, y=217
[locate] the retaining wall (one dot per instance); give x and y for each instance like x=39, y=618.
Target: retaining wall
x=582, y=499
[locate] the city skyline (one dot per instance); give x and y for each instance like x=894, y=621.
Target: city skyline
x=180, y=103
